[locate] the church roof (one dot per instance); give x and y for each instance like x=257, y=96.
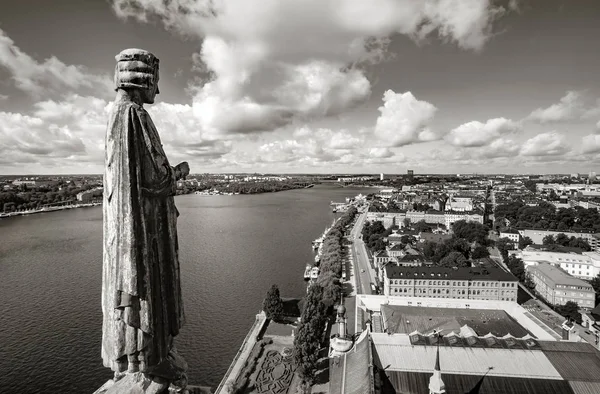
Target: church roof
x=351, y=373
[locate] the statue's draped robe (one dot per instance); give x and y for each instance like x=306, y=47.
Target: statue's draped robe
x=141, y=298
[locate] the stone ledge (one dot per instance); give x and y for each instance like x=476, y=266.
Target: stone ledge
x=137, y=383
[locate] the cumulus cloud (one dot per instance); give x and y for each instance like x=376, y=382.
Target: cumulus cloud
x=477, y=134
x=590, y=143
x=569, y=107
x=74, y=128
x=404, y=120
x=25, y=138
x=51, y=75
x=273, y=61
x=545, y=144
x=380, y=153
x=501, y=148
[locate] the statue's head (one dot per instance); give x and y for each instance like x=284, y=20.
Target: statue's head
x=137, y=70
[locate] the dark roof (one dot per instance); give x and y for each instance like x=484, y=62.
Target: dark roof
x=596, y=313
x=411, y=257
x=381, y=253
x=414, y=383
x=462, y=273
x=407, y=319
x=351, y=371
x=574, y=360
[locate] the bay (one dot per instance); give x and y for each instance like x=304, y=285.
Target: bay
x=232, y=249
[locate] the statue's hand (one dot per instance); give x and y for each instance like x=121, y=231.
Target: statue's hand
x=182, y=169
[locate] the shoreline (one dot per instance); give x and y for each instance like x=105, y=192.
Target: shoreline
x=49, y=209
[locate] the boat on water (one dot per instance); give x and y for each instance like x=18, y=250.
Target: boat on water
x=317, y=243
x=307, y=272
x=314, y=273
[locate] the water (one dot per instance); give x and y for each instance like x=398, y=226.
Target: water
x=232, y=249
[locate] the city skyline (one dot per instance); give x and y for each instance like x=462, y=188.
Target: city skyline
x=291, y=87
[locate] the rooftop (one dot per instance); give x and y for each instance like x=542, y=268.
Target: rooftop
x=350, y=372
x=463, y=273
x=549, y=360
x=558, y=276
x=407, y=319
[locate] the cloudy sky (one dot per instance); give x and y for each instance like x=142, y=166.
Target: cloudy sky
x=296, y=86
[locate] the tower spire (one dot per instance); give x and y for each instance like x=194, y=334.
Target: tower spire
x=436, y=385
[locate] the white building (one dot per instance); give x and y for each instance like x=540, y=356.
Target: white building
x=459, y=204
x=514, y=237
x=537, y=236
x=583, y=266
x=451, y=217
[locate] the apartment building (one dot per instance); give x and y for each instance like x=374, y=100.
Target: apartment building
x=440, y=282
x=558, y=287
x=514, y=236
x=584, y=266
x=537, y=236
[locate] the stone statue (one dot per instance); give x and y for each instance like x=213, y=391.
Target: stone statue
x=141, y=291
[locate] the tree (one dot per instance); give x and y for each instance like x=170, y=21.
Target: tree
x=504, y=245
x=429, y=249
x=407, y=239
x=579, y=243
x=548, y=240
x=528, y=282
x=596, y=285
x=562, y=239
x=332, y=288
x=307, y=341
x=525, y=242
x=454, y=259
x=471, y=231
x=273, y=304
x=516, y=267
x=459, y=245
x=480, y=252
x=422, y=227
x=570, y=310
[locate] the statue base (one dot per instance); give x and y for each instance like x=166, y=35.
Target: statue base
x=139, y=383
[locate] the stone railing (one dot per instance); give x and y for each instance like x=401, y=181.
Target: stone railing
x=248, y=343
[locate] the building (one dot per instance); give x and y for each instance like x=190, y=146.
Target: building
x=537, y=236
x=591, y=320
x=438, y=346
x=513, y=235
x=584, y=266
x=432, y=217
x=557, y=287
x=25, y=182
x=459, y=204
x=451, y=217
x=439, y=282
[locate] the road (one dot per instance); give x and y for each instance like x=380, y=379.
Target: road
x=360, y=259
